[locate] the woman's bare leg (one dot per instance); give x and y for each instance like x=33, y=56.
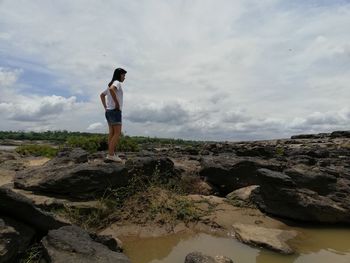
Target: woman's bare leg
x=110, y=136
x=115, y=138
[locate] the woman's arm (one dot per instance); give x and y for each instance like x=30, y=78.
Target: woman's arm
x=114, y=96
x=103, y=100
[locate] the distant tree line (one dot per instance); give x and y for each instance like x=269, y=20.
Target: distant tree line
x=55, y=136
x=91, y=142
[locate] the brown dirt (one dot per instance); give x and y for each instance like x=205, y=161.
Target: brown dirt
x=219, y=218
x=37, y=161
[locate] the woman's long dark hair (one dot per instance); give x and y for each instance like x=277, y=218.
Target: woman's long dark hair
x=117, y=75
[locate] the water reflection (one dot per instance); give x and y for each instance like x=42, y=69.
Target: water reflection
x=334, y=240
x=153, y=249
x=7, y=147
x=265, y=256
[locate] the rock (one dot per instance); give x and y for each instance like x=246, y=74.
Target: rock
x=6, y=156
x=242, y=196
x=268, y=177
x=198, y=257
x=88, y=180
x=71, y=244
x=273, y=239
x=11, y=161
x=21, y=208
x=263, y=151
x=280, y=195
x=336, y=134
x=223, y=259
x=303, y=159
x=15, y=237
x=310, y=136
x=191, y=150
x=107, y=240
x=161, y=167
x=78, y=181
x=69, y=156
x=310, y=152
x=230, y=173
x=314, y=179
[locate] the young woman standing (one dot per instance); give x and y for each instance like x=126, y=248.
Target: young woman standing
x=113, y=111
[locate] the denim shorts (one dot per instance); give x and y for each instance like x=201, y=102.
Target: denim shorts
x=113, y=117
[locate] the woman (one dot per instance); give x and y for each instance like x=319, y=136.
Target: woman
x=113, y=107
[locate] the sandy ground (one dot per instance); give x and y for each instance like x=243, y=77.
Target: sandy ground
x=218, y=222
x=37, y=161
x=6, y=176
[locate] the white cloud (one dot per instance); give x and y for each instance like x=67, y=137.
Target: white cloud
x=170, y=113
x=8, y=78
x=36, y=108
x=95, y=126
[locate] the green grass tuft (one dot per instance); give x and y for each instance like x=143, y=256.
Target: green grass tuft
x=37, y=150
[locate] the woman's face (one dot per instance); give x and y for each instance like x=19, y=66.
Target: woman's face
x=122, y=77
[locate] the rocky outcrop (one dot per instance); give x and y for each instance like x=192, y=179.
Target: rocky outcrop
x=304, y=195
x=71, y=244
x=78, y=181
x=198, y=257
x=335, y=134
x=228, y=173
x=21, y=208
x=274, y=239
x=72, y=175
x=306, y=178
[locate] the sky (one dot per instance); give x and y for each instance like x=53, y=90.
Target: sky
x=219, y=70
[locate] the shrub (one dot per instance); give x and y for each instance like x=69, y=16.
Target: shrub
x=279, y=150
x=33, y=254
x=100, y=143
x=37, y=150
x=159, y=205
x=91, y=144
x=127, y=144
x=92, y=218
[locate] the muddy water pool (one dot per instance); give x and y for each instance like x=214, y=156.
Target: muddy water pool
x=331, y=245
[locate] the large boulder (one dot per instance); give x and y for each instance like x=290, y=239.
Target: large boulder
x=312, y=178
x=71, y=244
x=78, y=181
x=273, y=239
x=228, y=173
x=68, y=156
x=71, y=175
x=22, y=209
x=15, y=237
x=311, y=197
